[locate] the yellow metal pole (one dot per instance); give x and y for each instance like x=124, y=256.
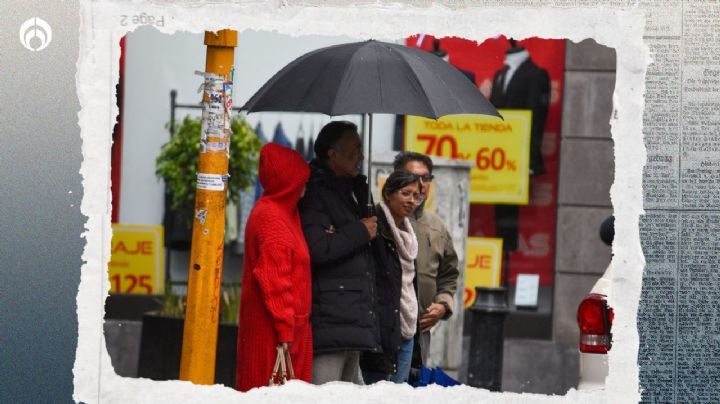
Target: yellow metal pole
x=197, y=363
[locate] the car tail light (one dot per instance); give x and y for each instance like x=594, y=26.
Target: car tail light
x=595, y=318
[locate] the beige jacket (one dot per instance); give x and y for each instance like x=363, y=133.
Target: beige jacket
x=437, y=262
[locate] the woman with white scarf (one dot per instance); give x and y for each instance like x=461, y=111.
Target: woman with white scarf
x=395, y=250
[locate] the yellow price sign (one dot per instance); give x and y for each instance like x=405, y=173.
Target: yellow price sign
x=137, y=260
x=498, y=149
x=482, y=265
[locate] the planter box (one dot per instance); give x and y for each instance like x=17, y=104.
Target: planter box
x=122, y=340
x=161, y=347
x=122, y=306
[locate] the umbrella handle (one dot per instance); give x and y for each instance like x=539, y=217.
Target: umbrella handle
x=370, y=210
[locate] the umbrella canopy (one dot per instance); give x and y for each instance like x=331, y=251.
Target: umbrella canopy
x=370, y=77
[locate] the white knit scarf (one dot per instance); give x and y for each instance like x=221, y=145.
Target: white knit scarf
x=407, y=247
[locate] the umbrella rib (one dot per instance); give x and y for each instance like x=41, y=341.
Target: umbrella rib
x=380, y=83
x=425, y=98
x=395, y=51
x=288, y=69
x=438, y=77
x=343, y=76
x=267, y=87
x=319, y=76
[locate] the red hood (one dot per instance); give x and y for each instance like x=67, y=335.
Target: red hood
x=283, y=174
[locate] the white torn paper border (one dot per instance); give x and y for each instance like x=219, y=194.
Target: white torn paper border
x=102, y=26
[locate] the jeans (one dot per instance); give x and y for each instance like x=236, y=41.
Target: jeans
x=404, y=359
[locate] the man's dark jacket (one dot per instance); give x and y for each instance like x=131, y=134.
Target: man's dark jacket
x=528, y=88
x=342, y=314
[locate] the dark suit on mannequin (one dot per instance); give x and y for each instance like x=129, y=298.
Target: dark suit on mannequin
x=528, y=87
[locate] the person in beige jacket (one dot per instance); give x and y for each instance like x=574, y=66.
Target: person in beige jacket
x=437, y=261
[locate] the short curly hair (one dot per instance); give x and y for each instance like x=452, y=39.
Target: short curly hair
x=402, y=158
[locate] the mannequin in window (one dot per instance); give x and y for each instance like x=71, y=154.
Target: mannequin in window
x=521, y=84
x=442, y=54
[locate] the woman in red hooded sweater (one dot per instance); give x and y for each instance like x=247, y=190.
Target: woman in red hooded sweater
x=276, y=292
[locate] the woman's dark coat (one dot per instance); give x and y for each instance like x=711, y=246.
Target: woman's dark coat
x=388, y=274
x=342, y=315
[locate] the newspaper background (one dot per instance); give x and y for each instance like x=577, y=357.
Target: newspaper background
x=678, y=324
x=678, y=354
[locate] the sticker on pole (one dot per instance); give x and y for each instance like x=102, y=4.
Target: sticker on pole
x=210, y=182
x=216, y=108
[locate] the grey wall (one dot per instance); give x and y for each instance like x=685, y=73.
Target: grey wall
x=586, y=174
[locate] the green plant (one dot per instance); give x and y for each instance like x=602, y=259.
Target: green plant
x=230, y=304
x=173, y=305
x=177, y=162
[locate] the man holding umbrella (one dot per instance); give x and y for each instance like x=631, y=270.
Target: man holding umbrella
x=338, y=237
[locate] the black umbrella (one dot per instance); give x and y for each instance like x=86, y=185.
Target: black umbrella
x=370, y=77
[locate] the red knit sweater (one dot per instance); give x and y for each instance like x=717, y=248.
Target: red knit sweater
x=276, y=292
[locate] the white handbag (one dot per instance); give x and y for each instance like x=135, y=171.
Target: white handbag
x=283, y=370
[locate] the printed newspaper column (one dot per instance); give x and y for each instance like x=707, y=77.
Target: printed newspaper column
x=661, y=123
x=197, y=363
x=662, y=131
x=677, y=320
x=696, y=336
x=657, y=313
x=696, y=352
x=700, y=162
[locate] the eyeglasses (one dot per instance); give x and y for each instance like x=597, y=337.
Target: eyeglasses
x=426, y=177
x=418, y=198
